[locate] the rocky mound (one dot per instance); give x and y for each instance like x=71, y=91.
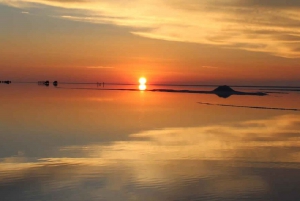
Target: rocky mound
x=223, y=88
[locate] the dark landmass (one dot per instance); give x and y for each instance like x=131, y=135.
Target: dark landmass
x=6, y=82
x=225, y=91
x=221, y=91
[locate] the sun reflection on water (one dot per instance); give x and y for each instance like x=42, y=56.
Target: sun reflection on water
x=142, y=81
x=142, y=87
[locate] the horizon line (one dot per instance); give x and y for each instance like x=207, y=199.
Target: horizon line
x=168, y=84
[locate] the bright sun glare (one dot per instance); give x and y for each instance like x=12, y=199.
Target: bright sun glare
x=142, y=87
x=142, y=80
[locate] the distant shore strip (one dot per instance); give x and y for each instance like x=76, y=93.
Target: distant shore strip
x=251, y=107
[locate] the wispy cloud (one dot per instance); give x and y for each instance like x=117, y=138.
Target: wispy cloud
x=210, y=67
x=271, y=27
x=100, y=67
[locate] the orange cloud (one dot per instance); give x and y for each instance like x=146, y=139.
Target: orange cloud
x=247, y=25
x=170, y=156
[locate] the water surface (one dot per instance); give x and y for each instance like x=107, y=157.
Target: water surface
x=83, y=144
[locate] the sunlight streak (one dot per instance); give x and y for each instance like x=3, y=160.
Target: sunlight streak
x=142, y=87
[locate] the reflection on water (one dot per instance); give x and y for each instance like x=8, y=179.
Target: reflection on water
x=142, y=87
x=233, y=161
x=118, y=145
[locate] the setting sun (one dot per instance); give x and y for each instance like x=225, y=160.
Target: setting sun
x=142, y=80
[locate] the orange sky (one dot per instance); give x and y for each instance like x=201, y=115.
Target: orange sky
x=173, y=41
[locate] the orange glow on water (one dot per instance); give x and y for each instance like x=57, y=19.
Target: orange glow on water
x=142, y=87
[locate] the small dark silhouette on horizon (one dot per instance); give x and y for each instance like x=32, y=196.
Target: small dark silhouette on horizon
x=226, y=91
x=223, y=88
x=55, y=83
x=99, y=84
x=5, y=82
x=46, y=83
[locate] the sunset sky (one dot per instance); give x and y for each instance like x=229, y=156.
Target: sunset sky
x=172, y=41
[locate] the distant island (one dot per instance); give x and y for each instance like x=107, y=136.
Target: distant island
x=221, y=91
x=226, y=91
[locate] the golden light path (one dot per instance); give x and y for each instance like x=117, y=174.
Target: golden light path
x=142, y=87
x=142, y=82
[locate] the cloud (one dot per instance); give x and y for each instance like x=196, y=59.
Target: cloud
x=271, y=27
x=100, y=67
x=210, y=67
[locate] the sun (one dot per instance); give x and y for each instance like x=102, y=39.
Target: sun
x=142, y=80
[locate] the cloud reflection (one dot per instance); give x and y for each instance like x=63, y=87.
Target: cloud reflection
x=199, y=161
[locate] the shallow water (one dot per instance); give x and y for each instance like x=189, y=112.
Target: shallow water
x=90, y=144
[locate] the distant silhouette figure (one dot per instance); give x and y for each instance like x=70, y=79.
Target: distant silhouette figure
x=6, y=82
x=55, y=83
x=46, y=83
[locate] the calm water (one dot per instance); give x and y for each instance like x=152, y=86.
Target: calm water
x=89, y=144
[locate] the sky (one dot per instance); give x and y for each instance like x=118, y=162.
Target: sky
x=245, y=42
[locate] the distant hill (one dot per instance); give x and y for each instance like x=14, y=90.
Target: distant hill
x=223, y=88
